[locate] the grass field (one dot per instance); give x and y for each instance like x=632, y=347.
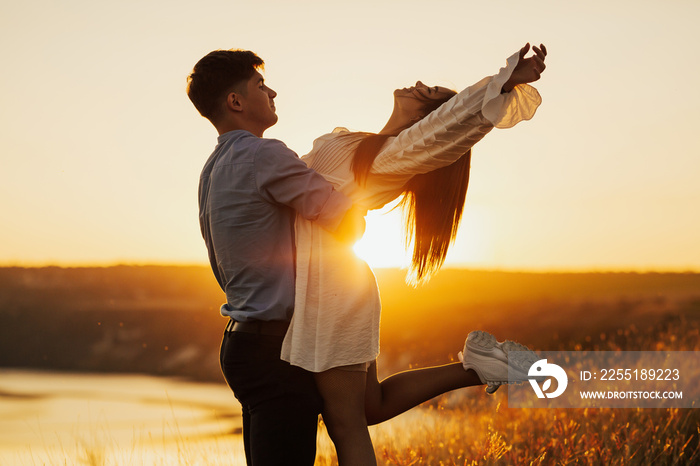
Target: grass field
x=425, y=326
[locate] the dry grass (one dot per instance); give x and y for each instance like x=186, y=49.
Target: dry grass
x=476, y=435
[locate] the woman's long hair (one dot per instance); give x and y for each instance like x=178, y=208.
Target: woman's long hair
x=432, y=203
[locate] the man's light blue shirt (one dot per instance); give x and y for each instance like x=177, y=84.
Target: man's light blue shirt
x=250, y=191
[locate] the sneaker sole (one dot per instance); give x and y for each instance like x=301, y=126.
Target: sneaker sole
x=520, y=356
x=485, y=344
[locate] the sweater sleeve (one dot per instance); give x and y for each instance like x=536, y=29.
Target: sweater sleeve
x=447, y=133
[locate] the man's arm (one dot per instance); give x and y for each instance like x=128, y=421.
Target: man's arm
x=283, y=178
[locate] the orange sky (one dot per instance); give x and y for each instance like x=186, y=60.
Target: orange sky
x=101, y=149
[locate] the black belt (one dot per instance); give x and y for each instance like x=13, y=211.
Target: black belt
x=273, y=327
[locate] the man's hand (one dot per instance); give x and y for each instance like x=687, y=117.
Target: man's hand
x=528, y=69
x=352, y=227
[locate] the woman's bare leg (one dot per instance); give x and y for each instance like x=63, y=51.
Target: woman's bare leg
x=343, y=395
x=405, y=390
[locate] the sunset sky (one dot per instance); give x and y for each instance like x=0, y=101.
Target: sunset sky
x=101, y=150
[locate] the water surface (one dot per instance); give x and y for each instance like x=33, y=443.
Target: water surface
x=48, y=417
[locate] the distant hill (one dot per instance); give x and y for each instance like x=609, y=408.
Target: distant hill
x=165, y=320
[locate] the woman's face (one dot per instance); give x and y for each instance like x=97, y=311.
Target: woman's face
x=412, y=100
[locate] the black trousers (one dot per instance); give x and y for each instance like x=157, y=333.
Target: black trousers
x=280, y=402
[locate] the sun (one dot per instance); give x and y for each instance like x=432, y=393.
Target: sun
x=382, y=244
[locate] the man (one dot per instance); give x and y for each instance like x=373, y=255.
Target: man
x=250, y=191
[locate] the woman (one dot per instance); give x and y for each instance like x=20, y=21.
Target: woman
x=424, y=152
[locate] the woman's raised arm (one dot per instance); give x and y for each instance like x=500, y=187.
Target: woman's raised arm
x=447, y=133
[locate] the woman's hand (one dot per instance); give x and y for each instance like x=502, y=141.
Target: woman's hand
x=528, y=69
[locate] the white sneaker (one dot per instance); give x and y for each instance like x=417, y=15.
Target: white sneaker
x=489, y=358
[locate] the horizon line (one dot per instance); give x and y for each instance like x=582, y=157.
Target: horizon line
x=542, y=270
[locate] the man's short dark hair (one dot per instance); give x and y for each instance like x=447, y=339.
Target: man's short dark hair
x=216, y=75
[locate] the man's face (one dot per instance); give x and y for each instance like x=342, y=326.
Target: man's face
x=258, y=103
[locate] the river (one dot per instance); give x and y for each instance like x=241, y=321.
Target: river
x=77, y=418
